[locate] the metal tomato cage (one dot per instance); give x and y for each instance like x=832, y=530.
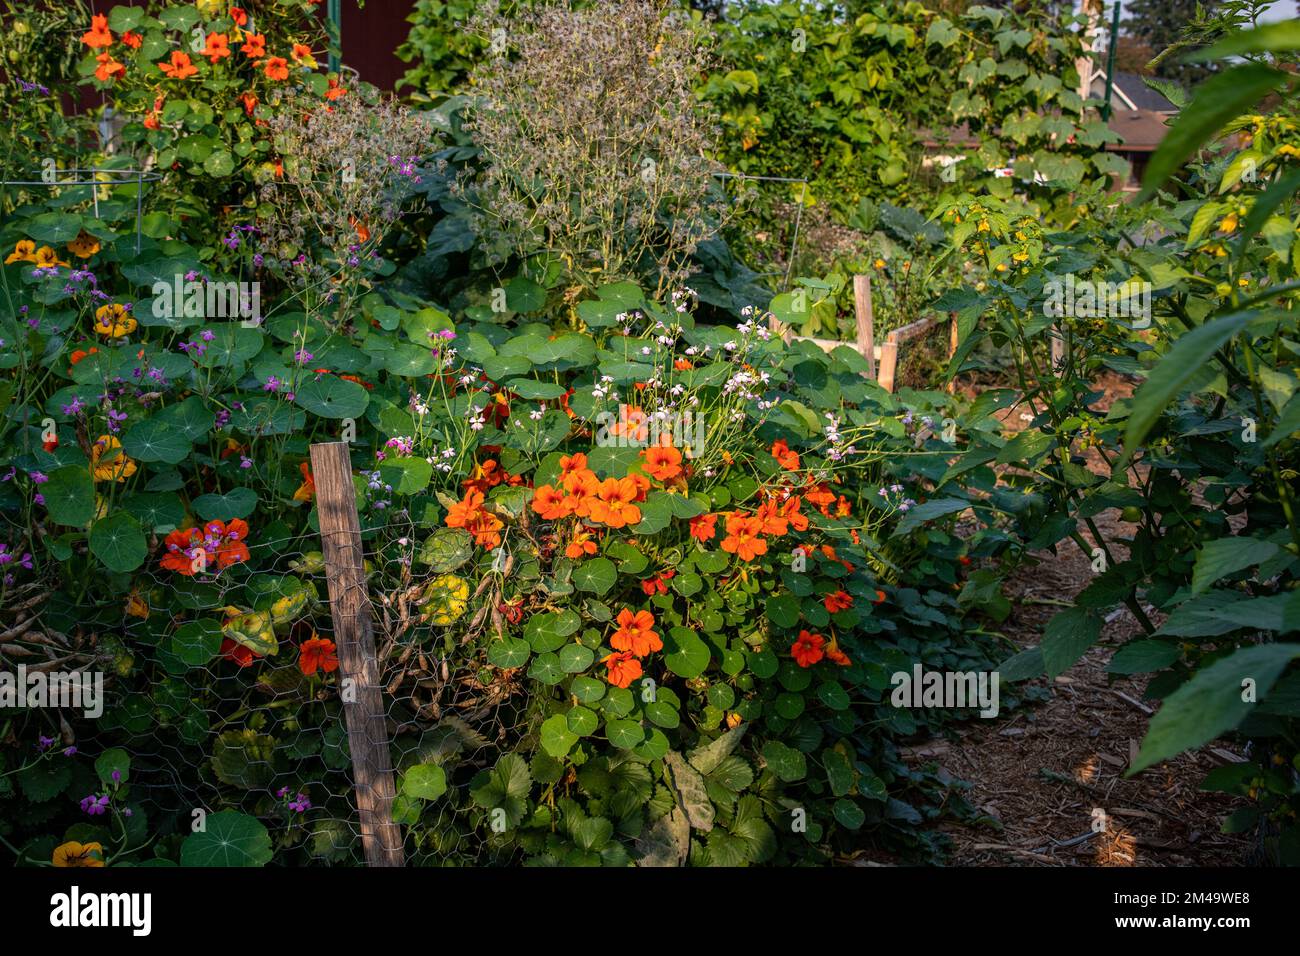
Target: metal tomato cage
x=91, y=176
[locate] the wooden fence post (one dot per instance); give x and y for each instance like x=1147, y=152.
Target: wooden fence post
x=865, y=321
x=888, y=363
x=363, y=708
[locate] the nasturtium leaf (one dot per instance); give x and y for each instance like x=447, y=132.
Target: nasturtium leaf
x=197, y=642
x=508, y=652
x=118, y=542
x=587, y=689
x=684, y=653
x=236, y=503
x=624, y=734
x=546, y=668
x=229, y=838
x=156, y=439
x=576, y=658
x=424, y=781
x=582, y=721
x=596, y=575
x=70, y=495
x=557, y=739
x=332, y=397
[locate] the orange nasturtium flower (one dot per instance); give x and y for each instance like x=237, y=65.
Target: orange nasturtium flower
x=335, y=91
x=572, y=464
x=880, y=597
x=623, y=668
x=108, y=462
x=47, y=258
x=808, y=649
x=84, y=246
x=133, y=40
x=743, y=536
x=549, y=503
x=250, y=102
x=239, y=16
x=217, y=542
x=614, y=506
x=137, y=605
x=469, y=514
x=277, y=68
x=301, y=53
x=113, y=321
x=636, y=633
x=179, y=66
x=580, y=546
x=217, y=48
x=74, y=854
x=833, y=653
x=704, y=527
x=317, y=653
x=581, y=487
x=254, y=46
x=663, y=462
x=99, y=36
x=771, y=520
x=837, y=601
x=307, y=490
x=108, y=68
x=787, y=459
x=24, y=251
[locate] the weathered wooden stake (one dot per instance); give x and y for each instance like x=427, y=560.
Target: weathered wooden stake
x=363, y=705
x=866, y=325
x=888, y=364
x=953, y=335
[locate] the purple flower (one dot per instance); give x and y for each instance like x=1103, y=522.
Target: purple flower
x=272, y=384
x=302, y=356
x=44, y=743
x=301, y=804
x=95, y=805
x=257, y=260
x=116, y=775
x=69, y=752
x=282, y=792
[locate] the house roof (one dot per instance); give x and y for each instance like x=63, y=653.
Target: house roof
x=1138, y=93
x=1141, y=130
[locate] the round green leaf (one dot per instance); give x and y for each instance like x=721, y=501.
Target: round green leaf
x=118, y=542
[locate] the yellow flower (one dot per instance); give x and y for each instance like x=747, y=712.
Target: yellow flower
x=1229, y=223
x=115, y=465
x=879, y=263
x=1020, y=256
x=75, y=854
x=1286, y=149
x=733, y=720
x=24, y=251
x=114, y=321
x=47, y=258
x=984, y=225
x=136, y=605
x=1001, y=267
x=84, y=246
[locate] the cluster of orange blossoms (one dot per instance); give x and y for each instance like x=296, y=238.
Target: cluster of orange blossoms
x=810, y=648
x=469, y=513
x=635, y=638
x=217, y=543
x=612, y=502
x=217, y=47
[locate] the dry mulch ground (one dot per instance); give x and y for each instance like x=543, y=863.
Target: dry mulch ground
x=1046, y=771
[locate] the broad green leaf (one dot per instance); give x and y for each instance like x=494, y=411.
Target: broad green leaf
x=1212, y=703
x=1224, y=556
x=229, y=838
x=118, y=542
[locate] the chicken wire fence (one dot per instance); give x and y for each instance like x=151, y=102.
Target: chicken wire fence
x=223, y=684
